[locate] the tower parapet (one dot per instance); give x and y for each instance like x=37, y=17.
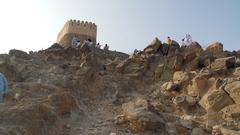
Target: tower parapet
x=81, y=30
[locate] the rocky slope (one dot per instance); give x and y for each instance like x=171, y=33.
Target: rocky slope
x=163, y=90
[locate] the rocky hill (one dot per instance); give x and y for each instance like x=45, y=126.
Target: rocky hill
x=162, y=90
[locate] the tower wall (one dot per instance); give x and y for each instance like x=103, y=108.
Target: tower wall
x=80, y=29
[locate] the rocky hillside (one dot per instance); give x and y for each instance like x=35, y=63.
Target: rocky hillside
x=163, y=90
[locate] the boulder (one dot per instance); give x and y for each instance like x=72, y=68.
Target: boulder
x=220, y=130
x=216, y=47
x=170, y=86
x=197, y=86
x=206, y=60
x=185, y=102
x=175, y=44
x=226, y=131
x=194, y=47
x=215, y=100
x=141, y=116
x=153, y=47
x=193, y=65
x=237, y=72
x=231, y=113
x=223, y=63
x=197, y=47
x=233, y=89
x=180, y=77
x=19, y=54
x=192, y=51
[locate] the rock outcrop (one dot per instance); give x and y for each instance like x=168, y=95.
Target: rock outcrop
x=141, y=116
x=216, y=47
x=164, y=89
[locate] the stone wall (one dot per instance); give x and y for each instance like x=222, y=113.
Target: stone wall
x=80, y=29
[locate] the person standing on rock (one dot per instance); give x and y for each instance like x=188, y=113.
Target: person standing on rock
x=135, y=51
x=3, y=87
x=106, y=47
x=98, y=46
x=169, y=41
x=187, y=40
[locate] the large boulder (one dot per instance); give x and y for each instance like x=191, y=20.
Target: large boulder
x=141, y=117
x=180, y=77
x=231, y=113
x=215, y=100
x=153, y=47
x=216, y=47
x=194, y=47
x=223, y=63
x=237, y=72
x=175, y=44
x=191, y=52
x=185, y=102
x=197, y=86
x=233, y=89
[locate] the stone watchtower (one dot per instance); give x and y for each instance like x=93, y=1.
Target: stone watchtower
x=74, y=32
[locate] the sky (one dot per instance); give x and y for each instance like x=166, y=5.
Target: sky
x=32, y=25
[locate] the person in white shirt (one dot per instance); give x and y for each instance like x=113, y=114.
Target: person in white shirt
x=187, y=40
x=75, y=42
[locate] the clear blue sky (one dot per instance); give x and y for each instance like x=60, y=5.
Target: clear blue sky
x=123, y=24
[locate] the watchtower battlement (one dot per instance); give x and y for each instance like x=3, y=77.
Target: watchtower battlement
x=82, y=30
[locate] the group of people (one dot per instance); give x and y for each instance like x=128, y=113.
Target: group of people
x=106, y=47
x=76, y=43
x=186, y=41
